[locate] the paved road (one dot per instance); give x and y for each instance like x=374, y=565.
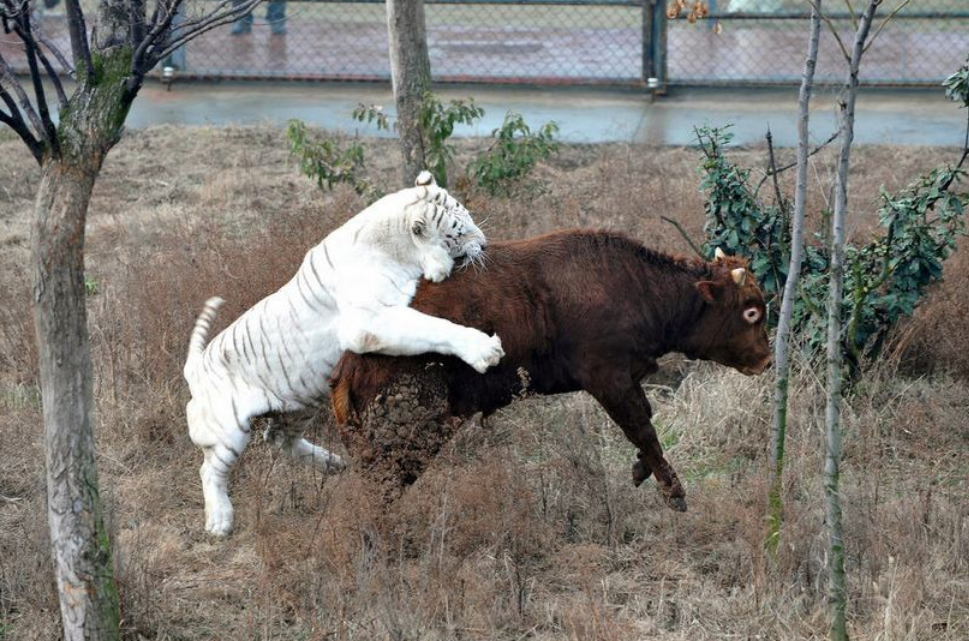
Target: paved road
x=908, y=117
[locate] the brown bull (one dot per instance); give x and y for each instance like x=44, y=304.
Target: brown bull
x=575, y=310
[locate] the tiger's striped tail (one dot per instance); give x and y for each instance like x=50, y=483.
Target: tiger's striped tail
x=200, y=333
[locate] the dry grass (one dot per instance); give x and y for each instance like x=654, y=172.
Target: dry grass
x=526, y=527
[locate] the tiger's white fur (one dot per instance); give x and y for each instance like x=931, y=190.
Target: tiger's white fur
x=351, y=292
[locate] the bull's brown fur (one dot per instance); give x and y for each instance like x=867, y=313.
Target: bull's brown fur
x=575, y=310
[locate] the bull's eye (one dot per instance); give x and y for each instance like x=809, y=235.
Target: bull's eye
x=751, y=315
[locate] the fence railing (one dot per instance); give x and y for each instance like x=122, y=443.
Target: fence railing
x=611, y=42
x=919, y=45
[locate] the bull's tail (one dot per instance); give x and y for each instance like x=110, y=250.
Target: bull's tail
x=342, y=400
x=200, y=333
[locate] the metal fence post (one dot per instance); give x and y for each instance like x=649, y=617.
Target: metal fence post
x=654, y=46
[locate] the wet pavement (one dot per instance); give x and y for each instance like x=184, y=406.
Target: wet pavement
x=884, y=116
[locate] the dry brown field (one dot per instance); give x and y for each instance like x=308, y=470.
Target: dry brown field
x=528, y=526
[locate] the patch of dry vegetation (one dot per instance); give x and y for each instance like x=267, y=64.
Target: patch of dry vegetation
x=527, y=526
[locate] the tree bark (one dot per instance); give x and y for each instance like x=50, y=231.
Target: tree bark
x=410, y=71
x=109, y=76
x=832, y=436
x=782, y=340
x=79, y=541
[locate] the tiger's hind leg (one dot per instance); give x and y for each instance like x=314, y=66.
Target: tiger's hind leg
x=285, y=430
x=222, y=437
x=309, y=454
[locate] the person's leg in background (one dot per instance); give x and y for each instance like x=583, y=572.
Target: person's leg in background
x=244, y=24
x=276, y=17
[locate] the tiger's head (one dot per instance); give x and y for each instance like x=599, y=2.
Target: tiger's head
x=442, y=230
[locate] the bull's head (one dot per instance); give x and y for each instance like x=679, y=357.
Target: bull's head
x=732, y=329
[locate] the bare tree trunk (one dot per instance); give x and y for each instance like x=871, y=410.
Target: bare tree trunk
x=410, y=70
x=70, y=154
x=832, y=435
x=781, y=342
x=79, y=541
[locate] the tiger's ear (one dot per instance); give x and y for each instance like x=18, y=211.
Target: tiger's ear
x=417, y=227
x=424, y=179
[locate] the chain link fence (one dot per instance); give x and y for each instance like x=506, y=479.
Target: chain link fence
x=613, y=42
x=765, y=41
x=534, y=42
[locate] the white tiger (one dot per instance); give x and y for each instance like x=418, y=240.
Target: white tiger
x=350, y=293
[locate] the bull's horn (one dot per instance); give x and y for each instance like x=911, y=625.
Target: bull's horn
x=739, y=276
x=718, y=254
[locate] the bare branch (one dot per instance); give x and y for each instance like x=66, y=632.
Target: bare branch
x=136, y=25
x=54, y=78
x=962, y=160
x=887, y=19
x=781, y=170
x=772, y=169
x=7, y=119
x=835, y=355
x=965, y=145
x=56, y=52
x=782, y=338
x=190, y=30
x=155, y=13
x=689, y=241
x=160, y=23
x=78, y=31
x=189, y=23
x=13, y=12
x=9, y=101
x=831, y=27
x=22, y=28
x=16, y=122
x=853, y=14
x=7, y=79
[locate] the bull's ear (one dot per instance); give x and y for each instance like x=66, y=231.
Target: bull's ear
x=709, y=290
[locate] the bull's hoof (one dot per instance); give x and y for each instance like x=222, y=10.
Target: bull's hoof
x=641, y=472
x=677, y=503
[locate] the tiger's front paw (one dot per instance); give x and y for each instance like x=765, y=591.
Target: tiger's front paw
x=437, y=265
x=485, y=352
x=437, y=274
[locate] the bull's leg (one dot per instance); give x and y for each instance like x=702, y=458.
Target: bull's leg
x=626, y=404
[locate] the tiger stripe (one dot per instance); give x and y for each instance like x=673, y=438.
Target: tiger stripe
x=277, y=356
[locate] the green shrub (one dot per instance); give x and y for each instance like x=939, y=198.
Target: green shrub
x=884, y=278
x=513, y=155
x=326, y=161
x=736, y=220
x=437, y=126
x=511, y=158
x=437, y=121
